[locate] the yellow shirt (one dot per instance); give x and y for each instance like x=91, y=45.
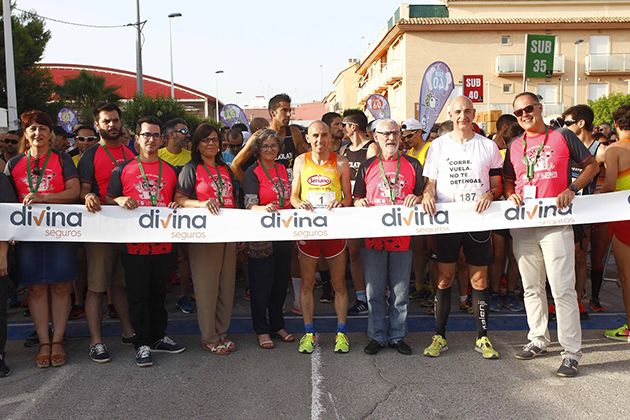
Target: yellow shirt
x=421, y=154
x=75, y=159
x=320, y=184
x=175, y=159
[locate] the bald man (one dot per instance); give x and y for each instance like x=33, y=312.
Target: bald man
x=462, y=166
x=321, y=181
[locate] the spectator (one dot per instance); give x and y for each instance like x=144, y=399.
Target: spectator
x=7, y=195
x=84, y=136
x=235, y=142
x=267, y=188
x=207, y=182
x=9, y=147
x=44, y=175
x=60, y=139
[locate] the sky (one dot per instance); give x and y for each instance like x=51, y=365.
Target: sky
x=263, y=47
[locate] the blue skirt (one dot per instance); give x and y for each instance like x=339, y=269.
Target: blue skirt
x=45, y=262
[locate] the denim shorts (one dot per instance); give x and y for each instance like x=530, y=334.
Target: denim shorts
x=45, y=262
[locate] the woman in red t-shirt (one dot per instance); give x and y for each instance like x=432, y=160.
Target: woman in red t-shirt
x=44, y=175
x=267, y=188
x=206, y=181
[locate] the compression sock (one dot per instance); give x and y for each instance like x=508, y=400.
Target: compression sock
x=442, y=309
x=361, y=295
x=341, y=328
x=309, y=328
x=480, y=310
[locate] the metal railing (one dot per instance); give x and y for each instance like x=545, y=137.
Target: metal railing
x=608, y=63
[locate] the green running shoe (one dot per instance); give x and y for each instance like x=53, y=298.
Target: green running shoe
x=484, y=346
x=438, y=345
x=307, y=343
x=620, y=334
x=342, y=344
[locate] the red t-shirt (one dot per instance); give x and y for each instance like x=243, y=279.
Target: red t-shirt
x=370, y=184
x=256, y=182
x=196, y=183
x=127, y=181
x=53, y=178
x=96, y=166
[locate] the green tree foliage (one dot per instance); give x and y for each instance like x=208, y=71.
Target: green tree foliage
x=84, y=92
x=34, y=85
x=606, y=105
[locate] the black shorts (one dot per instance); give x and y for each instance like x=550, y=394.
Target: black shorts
x=477, y=247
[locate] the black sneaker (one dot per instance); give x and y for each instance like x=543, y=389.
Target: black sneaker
x=372, y=347
x=4, y=369
x=568, y=368
x=530, y=351
x=143, y=356
x=401, y=347
x=99, y=353
x=166, y=345
x=128, y=340
x=359, y=308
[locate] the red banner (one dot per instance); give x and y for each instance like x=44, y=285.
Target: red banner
x=473, y=87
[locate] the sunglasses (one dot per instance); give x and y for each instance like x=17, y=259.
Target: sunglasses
x=10, y=141
x=569, y=123
x=86, y=138
x=527, y=110
x=183, y=131
x=409, y=135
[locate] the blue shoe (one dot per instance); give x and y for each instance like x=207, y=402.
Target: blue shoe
x=186, y=305
x=513, y=304
x=495, y=303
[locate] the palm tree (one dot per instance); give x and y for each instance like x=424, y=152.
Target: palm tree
x=84, y=92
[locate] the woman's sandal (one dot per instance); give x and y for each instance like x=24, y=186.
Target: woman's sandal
x=43, y=360
x=231, y=346
x=58, y=359
x=219, y=349
x=286, y=337
x=264, y=342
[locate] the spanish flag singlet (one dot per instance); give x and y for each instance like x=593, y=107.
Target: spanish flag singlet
x=320, y=184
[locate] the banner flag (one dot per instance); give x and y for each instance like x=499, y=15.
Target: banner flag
x=233, y=114
x=378, y=106
x=437, y=85
x=73, y=223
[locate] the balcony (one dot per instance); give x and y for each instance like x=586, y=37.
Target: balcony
x=379, y=79
x=512, y=65
x=608, y=64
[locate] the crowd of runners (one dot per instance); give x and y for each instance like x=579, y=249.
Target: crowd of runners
x=340, y=161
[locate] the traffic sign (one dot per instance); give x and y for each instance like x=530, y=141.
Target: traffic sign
x=473, y=87
x=539, y=51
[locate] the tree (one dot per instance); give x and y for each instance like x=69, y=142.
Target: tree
x=84, y=92
x=164, y=108
x=34, y=85
x=606, y=105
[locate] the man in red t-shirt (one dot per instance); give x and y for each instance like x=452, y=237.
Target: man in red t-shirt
x=146, y=181
x=104, y=267
x=390, y=178
x=537, y=165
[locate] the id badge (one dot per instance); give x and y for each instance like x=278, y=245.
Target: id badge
x=529, y=192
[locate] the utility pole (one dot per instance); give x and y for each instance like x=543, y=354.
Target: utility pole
x=139, y=84
x=10, y=65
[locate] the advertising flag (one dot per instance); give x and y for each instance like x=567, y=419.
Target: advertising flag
x=437, y=85
x=378, y=106
x=233, y=114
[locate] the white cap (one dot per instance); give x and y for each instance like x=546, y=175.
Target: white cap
x=410, y=124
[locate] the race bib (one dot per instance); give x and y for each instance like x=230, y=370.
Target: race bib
x=320, y=199
x=467, y=196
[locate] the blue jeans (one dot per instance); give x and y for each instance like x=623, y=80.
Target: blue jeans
x=387, y=270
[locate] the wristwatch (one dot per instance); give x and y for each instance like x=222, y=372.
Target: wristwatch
x=574, y=188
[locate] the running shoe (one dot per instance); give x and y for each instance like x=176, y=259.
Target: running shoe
x=596, y=306
x=359, y=308
x=77, y=312
x=296, y=310
x=568, y=368
x=167, y=345
x=552, y=312
x=143, y=356
x=438, y=345
x=186, y=305
x=513, y=304
x=99, y=354
x=484, y=346
x=495, y=303
x=621, y=334
x=466, y=306
x=529, y=351
x=342, y=344
x=307, y=343
x=327, y=293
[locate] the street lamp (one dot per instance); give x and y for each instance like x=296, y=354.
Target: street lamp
x=170, y=43
x=217, y=73
x=575, y=80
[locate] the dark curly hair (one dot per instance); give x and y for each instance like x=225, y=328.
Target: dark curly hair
x=622, y=117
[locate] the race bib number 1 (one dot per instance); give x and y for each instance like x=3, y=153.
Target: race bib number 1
x=321, y=199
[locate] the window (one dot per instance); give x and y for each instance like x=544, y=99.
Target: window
x=508, y=87
x=597, y=90
x=506, y=40
x=598, y=45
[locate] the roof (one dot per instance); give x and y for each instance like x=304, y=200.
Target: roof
x=126, y=80
x=511, y=21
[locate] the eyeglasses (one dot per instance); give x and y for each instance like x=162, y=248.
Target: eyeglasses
x=148, y=136
x=527, y=110
x=183, y=131
x=347, y=124
x=10, y=141
x=86, y=138
x=409, y=135
x=272, y=146
x=569, y=123
x=388, y=133
x=207, y=140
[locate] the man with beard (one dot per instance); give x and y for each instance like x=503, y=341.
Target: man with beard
x=293, y=141
x=104, y=264
x=334, y=122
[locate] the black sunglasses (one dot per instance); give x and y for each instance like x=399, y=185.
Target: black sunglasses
x=183, y=131
x=569, y=123
x=409, y=135
x=10, y=141
x=86, y=138
x=527, y=110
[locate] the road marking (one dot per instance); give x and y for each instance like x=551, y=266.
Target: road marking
x=332, y=402
x=316, y=381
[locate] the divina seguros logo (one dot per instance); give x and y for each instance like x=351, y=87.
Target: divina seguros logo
x=57, y=223
x=182, y=226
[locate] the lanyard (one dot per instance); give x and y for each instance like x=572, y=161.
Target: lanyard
x=41, y=174
x=279, y=186
x=112, y=156
x=218, y=181
x=531, y=164
x=392, y=188
x=152, y=197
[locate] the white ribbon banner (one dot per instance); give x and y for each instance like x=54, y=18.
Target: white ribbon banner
x=159, y=224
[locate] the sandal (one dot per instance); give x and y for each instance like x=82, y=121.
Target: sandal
x=283, y=336
x=264, y=341
x=43, y=360
x=231, y=346
x=219, y=349
x=58, y=359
